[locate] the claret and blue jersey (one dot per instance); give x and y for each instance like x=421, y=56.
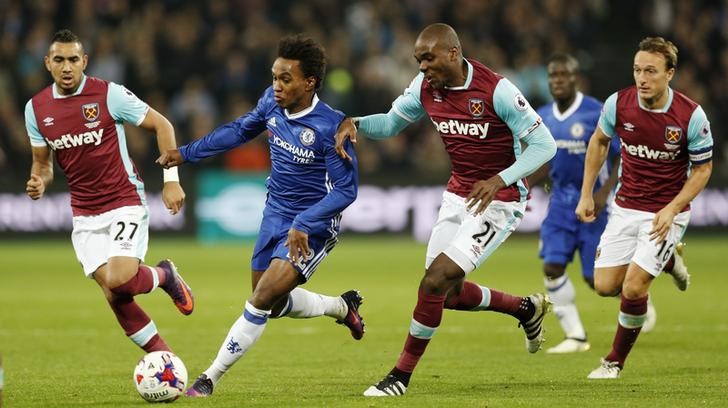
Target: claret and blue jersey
x=309, y=183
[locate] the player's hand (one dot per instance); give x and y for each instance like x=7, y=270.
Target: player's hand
x=346, y=130
x=173, y=196
x=170, y=158
x=585, y=209
x=35, y=187
x=661, y=224
x=483, y=193
x=297, y=244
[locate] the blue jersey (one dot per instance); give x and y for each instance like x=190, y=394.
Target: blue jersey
x=309, y=182
x=572, y=130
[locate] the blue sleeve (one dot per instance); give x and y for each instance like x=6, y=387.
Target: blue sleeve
x=343, y=179
x=229, y=135
x=513, y=109
x=700, y=138
x=608, y=118
x=124, y=106
x=406, y=109
x=540, y=148
x=31, y=125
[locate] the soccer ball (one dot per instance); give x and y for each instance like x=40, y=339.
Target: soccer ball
x=160, y=376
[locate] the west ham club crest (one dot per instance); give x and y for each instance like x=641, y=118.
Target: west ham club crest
x=673, y=134
x=90, y=111
x=476, y=107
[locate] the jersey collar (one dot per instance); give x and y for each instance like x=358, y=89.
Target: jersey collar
x=57, y=95
x=468, y=80
x=304, y=112
x=570, y=110
x=660, y=110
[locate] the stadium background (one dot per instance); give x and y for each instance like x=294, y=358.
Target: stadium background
x=204, y=63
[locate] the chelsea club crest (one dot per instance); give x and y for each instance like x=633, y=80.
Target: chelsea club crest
x=307, y=137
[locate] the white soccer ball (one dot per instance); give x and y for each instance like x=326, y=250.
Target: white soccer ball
x=160, y=376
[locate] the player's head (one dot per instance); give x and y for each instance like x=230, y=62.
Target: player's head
x=654, y=67
x=563, y=70
x=440, y=56
x=297, y=72
x=66, y=61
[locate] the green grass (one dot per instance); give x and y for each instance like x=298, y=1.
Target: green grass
x=61, y=345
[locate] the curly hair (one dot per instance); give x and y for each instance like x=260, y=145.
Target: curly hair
x=311, y=55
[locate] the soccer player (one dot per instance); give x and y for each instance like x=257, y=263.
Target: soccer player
x=308, y=188
x=666, y=151
x=79, y=119
x=572, y=118
x=482, y=119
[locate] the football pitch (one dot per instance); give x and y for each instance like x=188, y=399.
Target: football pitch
x=61, y=345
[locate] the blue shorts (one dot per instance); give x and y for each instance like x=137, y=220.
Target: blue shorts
x=272, y=238
x=562, y=234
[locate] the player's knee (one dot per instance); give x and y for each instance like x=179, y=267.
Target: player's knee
x=264, y=299
x=606, y=290
x=553, y=271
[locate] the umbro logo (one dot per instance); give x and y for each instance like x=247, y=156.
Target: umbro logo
x=629, y=127
x=48, y=121
x=272, y=122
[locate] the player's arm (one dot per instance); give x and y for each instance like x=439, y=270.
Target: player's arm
x=41, y=171
x=223, y=138
x=173, y=195
x=343, y=176
x=406, y=109
x=527, y=127
x=596, y=153
x=602, y=195
x=700, y=152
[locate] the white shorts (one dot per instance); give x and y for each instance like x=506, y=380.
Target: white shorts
x=627, y=239
x=122, y=231
x=467, y=239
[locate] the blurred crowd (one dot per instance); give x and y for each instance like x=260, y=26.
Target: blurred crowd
x=202, y=63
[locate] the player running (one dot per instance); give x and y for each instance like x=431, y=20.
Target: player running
x=572, y=119
x=482, y=119
x=79, y=119
x=308, y=188
x=667, y=150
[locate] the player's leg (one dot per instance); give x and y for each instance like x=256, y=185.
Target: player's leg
x=440, y=277
x=647, y=263
x=632, y=315
x=302, y=303
x=476, y=239
x=126, y=275
x=92, y=244
x=558, y=244
x=676, y=268
x=429, y=307
x=277, y=281
x=137, y=325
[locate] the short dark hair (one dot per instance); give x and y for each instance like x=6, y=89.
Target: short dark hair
x=65, y=36
x=564, y=58
x=311, y=55
x=659, y=45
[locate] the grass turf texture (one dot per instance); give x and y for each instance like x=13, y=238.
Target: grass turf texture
x=61, y=345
